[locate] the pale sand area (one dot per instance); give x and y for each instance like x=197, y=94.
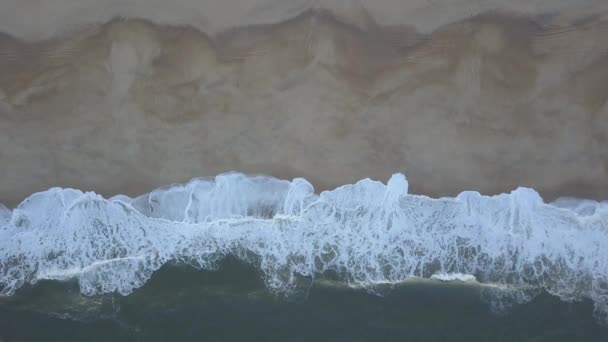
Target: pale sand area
x=458, y=95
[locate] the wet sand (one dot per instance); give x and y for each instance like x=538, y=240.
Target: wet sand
x=457, y=96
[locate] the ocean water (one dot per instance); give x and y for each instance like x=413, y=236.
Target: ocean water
x=254, y=258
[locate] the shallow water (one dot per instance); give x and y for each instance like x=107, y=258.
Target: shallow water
x=242, y=258
x=232, y=304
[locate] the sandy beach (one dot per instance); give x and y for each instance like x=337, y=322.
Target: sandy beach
x=458, y=95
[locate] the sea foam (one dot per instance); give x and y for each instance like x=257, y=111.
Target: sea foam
x=366, y=233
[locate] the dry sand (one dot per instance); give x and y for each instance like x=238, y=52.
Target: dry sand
x=459, y=95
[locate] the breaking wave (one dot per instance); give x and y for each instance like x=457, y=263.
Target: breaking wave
x=366, y=233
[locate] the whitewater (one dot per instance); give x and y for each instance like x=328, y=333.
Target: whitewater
x=366, y=233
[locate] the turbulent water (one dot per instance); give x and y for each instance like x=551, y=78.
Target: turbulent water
x=513, y=246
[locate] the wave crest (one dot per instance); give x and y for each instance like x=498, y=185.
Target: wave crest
x=367, y=233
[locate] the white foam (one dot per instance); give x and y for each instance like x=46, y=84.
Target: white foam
x=367, y=233
x=450, y=277
x=583, y=207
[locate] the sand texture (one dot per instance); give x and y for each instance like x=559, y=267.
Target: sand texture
x=118, y=97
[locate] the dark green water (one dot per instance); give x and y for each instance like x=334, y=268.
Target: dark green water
x=231, y=304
